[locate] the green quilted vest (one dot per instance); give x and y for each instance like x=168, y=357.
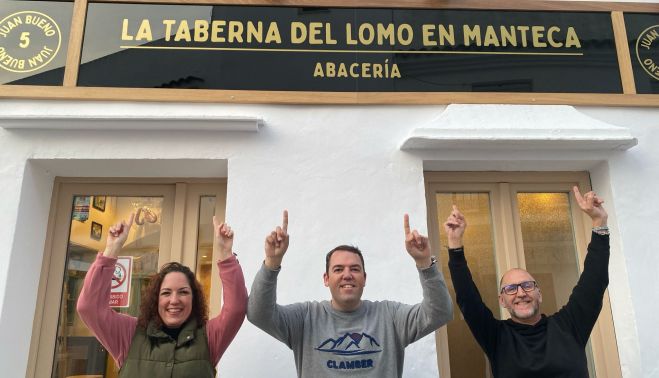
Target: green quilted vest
x=153, y=353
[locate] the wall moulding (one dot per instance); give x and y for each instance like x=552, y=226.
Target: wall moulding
x=118, y=116
x=321, y=98
x=517, y=128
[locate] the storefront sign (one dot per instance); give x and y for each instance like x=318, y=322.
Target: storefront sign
x=33, y=41
x=646, y=44
x=643, y=36
x=37, y=37
x=349, y=50
x=267, y=48
x=120, y=289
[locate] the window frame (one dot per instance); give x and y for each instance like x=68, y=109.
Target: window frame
x=180, y=211
x=508, y=245
x=70, y=91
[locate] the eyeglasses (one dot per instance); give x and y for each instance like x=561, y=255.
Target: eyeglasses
x=512, y=288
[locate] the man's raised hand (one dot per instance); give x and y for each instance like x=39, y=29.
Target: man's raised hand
x=223, y=239
x=417, y=245
x=455, y=226
x=276, y=244
x=591, y=204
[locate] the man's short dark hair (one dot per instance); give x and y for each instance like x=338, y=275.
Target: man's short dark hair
x=347, y=248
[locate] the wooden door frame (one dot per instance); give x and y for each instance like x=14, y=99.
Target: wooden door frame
x=174, y=192
x=507, y=237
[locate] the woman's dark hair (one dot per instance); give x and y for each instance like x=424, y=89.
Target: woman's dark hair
x=149, y=306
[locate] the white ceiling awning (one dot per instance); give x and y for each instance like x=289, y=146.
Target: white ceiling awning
x=517, y=128
x=62, y=115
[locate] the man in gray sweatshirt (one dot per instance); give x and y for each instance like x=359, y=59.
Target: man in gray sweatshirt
x=348, y=336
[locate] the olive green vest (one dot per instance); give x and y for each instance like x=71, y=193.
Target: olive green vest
x=153, y=353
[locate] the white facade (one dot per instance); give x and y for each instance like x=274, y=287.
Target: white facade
x=341, y=173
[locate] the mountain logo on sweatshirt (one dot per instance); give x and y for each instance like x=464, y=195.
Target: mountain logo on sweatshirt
x=351, y=344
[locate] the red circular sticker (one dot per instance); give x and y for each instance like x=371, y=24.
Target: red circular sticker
x=119, y=275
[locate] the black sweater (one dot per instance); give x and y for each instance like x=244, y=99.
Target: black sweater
x=555, y=346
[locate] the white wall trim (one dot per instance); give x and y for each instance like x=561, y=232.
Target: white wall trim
x=517, y=127
x=60, y=115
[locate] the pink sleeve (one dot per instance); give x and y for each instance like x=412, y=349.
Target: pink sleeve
x=114, y=330
x=223, y=328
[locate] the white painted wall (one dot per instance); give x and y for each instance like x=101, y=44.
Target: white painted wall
x=340, y=173
x=634, y=183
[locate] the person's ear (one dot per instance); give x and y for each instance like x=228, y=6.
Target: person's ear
x=326, y=279
x=501, y=301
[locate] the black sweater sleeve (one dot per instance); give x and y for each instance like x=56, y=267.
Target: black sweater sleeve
x=585, y=303
x=479, y=318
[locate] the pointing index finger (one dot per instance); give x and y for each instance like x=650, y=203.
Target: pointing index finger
x=579, y=197
x=284, y=224
x=406, y=224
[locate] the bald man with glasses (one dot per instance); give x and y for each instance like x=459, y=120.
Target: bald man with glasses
x=532, y=344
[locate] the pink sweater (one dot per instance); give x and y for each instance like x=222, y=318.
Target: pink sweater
x=115, y=331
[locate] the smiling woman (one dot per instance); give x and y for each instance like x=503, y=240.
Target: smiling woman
x=172, y=336
x=173, y=297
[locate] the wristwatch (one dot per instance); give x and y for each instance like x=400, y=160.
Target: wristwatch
x=433, y=261
x=602, y=230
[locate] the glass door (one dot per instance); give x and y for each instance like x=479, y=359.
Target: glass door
x=77, y=352
x=479, y=240
x=173, y=223
x=526, y=220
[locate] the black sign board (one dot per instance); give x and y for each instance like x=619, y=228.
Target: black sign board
x=348, y=50
x=643, y=37
x=33, y=41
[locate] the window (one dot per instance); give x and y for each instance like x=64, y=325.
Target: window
x=526, y=220
x=173, y=223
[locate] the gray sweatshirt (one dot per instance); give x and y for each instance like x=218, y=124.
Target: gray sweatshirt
x=368, y=342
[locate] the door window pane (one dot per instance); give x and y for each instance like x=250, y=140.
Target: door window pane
x=466, y=357
x=77, y=352
x=205, y=243
x=550, y=249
